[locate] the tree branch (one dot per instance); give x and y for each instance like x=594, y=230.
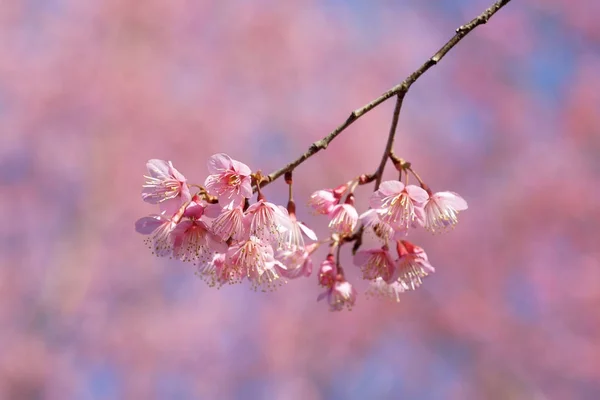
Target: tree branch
x=400, y=90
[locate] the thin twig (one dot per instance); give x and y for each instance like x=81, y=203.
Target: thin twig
x=400, y=89
x=390, y=141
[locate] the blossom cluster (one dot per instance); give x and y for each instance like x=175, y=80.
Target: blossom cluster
x=231, y=240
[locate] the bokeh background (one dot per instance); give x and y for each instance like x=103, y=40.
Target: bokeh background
x=89, y=90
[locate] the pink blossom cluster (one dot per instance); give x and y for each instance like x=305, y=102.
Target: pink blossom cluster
x=230, y=240
x=395, y=208
x=217, y=229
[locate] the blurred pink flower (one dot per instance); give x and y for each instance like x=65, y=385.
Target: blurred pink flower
x=344, y=218
x=159, y=228
x=322, y=201
x=400, y=206
x=376, y=263
x=441, y=211
x=327, y=272
x=341, y=294
x=193, y=241
x=380, y=288
x=229, y=180
x=294, y=235
x=297, y=260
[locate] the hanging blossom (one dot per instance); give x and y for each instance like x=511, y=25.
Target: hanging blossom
x=231, y=239
x=412, y=265
x=159, y=228
x=192, y=239
x=398, y=205
x=229, y=180
x=441, y=211
x=266, y=221
x=392, y=291
x=339, y=292
x=376, y=263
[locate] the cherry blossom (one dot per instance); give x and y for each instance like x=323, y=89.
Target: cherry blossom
x=412, y=265
x=400, y=206
x=229, y=180
x=376, y=263
x=344, y=218
x=341, y=294
x=163, y=183
x=441, y=211
x=392, y=291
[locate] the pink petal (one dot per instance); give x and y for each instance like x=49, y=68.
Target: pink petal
x=219, y=163
x=417, y=194
x=147, y=225
x=362, y=257
x=391, y=187
x=307, y=231
x=240, y=168
x=158, y=168
x=246, y=188
x=452, y=199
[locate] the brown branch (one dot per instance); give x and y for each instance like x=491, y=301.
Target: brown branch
x=400, y=90
x=390, y=141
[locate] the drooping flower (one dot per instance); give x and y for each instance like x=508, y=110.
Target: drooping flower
x=293, y=237
x=163, y=183
x=194, y=242
x=254, y=259
x=159, y=229
x=229, y=180
x=328, y=272
x=412, y=265
x=400, y=206
x=341, y=294
x=344, y=218
x=297, y=260
x=267, y=221
x=391, y=291
x=370, y=220
x=376, y=263
x=322, y=201
x=218, y=272
x=230, y=224
x=441, y=211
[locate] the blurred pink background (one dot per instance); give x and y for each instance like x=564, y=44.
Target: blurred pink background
x=89, y=90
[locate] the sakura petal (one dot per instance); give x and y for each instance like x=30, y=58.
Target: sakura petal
x=218, y=163
x=417, y=194
x=240, y=167
x=158, y=168
x=147, y=225
x=454, y=200
x=307, y=231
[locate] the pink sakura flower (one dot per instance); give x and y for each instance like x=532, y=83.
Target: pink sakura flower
x=398, y=205
x=381, y=288
x=230, y=224
x=341, y=294
x=370, y=220
x=163, y=183
x=376, y=263
x=297, y=260
x=293, y=235
x=254, y=259
x=344, y=218
x=218, y=271
x=192, y=239
x=327, y=272
x=266, y=221
x=412, y=265
x=441, y=211
x=159, y=228
x=322, y=201
x=229, y=180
